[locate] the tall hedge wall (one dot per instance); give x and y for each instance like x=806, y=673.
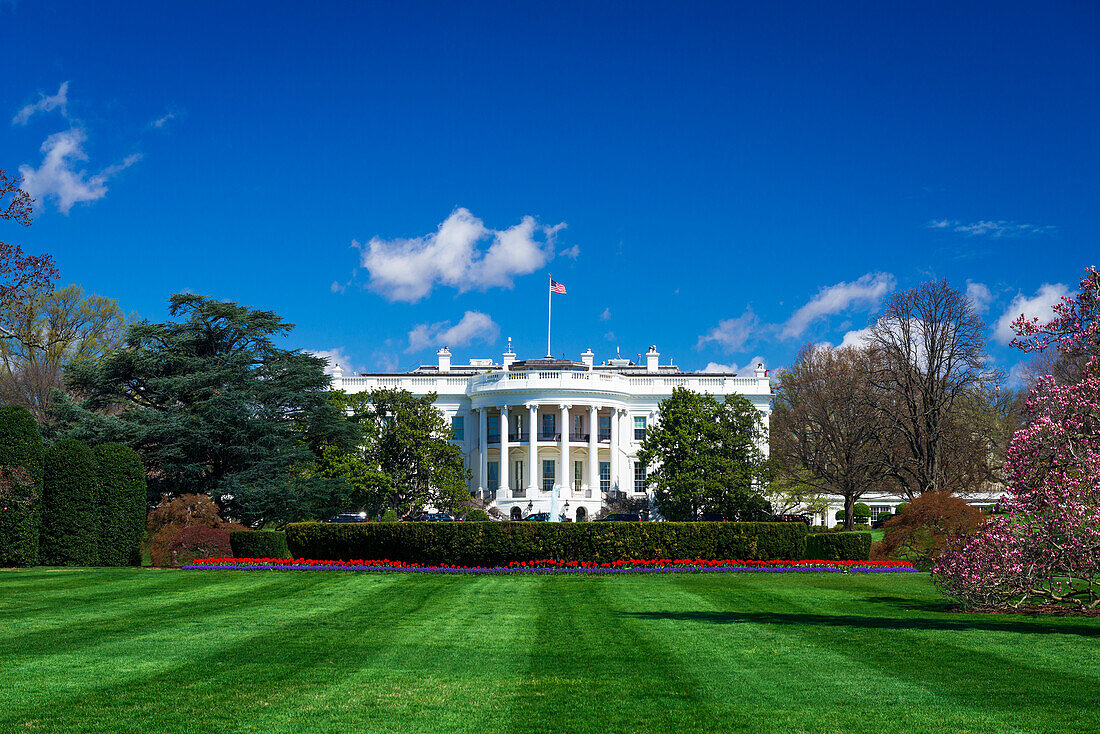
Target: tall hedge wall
x=122, y=505
x=258, y=544
x=496, y=543
x=21, y=460
x=838, y=546
x=70, y=495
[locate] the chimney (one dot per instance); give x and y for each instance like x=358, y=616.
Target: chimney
x=588, y=357
x=444, y=355
x=651, y=359
x=509, y=356
x=761, y=374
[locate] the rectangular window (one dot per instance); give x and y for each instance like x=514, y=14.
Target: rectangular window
x=605, y=427
x=517, y=426
x=578, y=425
x=517, y=475
x=639, y=477
x=493, y=428
x=458, y=424
x=494, y=476
x=548, y=425
x=605, y=476
x=639, y=427
x=877, y=510
x=578, y=474
x=547, y=475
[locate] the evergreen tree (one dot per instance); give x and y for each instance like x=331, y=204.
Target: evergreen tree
x=21, y=459
x=70, y=521
x=212, y=406
x=123, y=505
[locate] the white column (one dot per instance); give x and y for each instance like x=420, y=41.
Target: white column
x=504, y=489
x=483, y=451
x=593, y=452
x=566, y=481
x=532, y=438
x=614, y=449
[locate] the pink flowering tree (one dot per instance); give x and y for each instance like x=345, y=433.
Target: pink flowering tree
x=1047, y=547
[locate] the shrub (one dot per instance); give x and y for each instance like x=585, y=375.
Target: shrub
x=172, y=515
x=390, y=515
x=498, y=543
x=70, y=494
x=123, y=504
x=259, y=544
x=199, y=541
x=927, y=525
x=477, y=515
x=901, y=508
x=840, y=515
x=861, y=509
x=838, y=547
x=21, y=464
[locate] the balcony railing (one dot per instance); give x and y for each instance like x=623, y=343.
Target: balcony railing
x=578, y=437
x=493, y=438
x=549, y=436
x=518, y=437
x=604, y=437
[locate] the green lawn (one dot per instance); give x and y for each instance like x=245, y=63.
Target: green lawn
x=140, y=650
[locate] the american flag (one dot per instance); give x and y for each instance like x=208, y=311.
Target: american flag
x=556, y=287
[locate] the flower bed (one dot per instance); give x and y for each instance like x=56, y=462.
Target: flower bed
x=662, y=565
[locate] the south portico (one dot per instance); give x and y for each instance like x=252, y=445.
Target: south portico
x=527, y=450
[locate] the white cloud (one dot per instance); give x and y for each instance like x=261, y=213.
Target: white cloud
x=731, y=334
x=606, y=315
x=474, y=326
x=455, y=255
x=335, y=357
x=1038, y=305
x=990, y=228
x=979, y=294
x=571, y=252
x=57, y=177
x=160, y=122
x=864, y=293
x=44, y=104
x=718, y=367
x=1017, y=375
x=609, y=336
x=856, y=338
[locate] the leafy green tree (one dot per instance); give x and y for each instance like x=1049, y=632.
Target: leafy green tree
x=54, y=329
x=21, y=460
x=70, y=509
x=123, y=505
x=212, y=406
x=404, y=459
x=705, y=456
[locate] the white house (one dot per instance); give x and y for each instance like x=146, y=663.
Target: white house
x=542, y=432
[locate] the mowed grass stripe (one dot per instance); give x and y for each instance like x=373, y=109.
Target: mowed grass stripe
x=904, y=670
x=188, y=665
x=331, y=651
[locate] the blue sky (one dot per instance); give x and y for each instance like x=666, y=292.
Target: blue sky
x=727, y=181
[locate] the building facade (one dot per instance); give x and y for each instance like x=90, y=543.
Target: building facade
x=548, y=434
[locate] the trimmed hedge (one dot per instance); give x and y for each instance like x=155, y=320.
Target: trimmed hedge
x=258, y=544
x=70, y=494
x=22, y=456
x=838, y=547
x=498, y=543
x=122, y=505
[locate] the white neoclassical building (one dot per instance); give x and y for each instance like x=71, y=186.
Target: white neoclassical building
x=547, y=432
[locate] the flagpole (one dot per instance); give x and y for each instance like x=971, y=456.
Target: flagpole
x=549, y=300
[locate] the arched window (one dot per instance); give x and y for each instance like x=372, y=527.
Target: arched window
x=582, y=514
x=516, y=513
